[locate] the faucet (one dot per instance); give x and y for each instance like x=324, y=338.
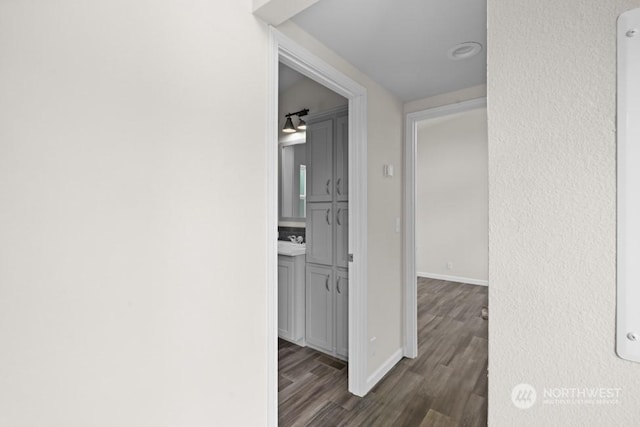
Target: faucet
x=296, y=239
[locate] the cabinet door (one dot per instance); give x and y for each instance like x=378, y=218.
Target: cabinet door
x=342, y=313
x=319, y=313
x=285, y=296
x=320, y=233
x=342, y=234
x=342, y=159
x=320, y=161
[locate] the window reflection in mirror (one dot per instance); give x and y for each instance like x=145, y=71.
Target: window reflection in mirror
x=302, y=204
x=292, y=180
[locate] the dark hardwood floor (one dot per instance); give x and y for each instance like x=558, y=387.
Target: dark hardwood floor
x=445, y=386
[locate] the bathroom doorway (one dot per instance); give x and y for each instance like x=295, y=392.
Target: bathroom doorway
x=289, y=53
x=313, y=276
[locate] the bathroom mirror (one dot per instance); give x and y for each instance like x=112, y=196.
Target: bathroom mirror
x=292, y=176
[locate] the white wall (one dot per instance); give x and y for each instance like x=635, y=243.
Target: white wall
x=552, y=192
x=123, y=298
x=473, y=92
x=384, y=203
x=452, y=200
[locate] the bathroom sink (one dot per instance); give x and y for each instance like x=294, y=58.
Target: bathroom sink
x=290, y=248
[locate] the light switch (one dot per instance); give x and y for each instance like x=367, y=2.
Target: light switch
x=387, y=170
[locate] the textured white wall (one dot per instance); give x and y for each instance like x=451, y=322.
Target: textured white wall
x=385, y=202
x=451, y=196
x=126, y=297
x=552, y=191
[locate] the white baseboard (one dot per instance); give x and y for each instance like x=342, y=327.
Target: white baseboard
x=456, y=279
x=384, y=369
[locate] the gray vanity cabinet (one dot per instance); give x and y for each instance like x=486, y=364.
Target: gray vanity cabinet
x=319, y=312
x=291, y=298
x=320, y=155
x=342, y=313
x=327, y=234
x=327, y=313
x=342, y=234
x=285, y=296
x=342, y=159
x=319, y=233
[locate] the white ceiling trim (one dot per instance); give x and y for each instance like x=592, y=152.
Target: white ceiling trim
x=275, y=12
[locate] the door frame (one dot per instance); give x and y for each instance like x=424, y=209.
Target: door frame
x=285, y=50
x=410, y=154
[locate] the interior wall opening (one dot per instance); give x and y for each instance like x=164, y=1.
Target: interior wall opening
x=287, y=51
x=313, y=245
x=313, y=240
x=447, y=255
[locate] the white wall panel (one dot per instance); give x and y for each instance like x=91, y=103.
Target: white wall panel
x=628, y=327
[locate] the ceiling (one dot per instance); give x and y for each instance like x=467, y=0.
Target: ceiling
x=403, y=44
x=287, y=77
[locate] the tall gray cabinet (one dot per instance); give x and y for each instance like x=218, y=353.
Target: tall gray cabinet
x=327, y=233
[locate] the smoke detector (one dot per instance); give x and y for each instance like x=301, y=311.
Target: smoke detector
x=464, y=50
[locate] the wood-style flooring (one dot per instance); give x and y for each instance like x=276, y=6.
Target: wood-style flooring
x=445, y=386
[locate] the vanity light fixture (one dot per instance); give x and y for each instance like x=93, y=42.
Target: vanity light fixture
x=288, y=126
x=302, y=125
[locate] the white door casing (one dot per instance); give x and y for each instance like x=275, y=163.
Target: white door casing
x=285, y=50
x=410, y=347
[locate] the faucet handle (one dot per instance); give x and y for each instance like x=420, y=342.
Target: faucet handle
x=292, y=238
x=299, y=239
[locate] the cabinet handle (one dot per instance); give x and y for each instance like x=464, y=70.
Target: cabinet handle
x=326, y=283
x=338, y=186
x=339, y=285
x=328, y=184
x=328, y=212
x=338, y=217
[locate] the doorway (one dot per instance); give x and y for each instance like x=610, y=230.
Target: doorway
x=410, y=201
x=289, y=53
x=446, y=263
x=313, y=286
